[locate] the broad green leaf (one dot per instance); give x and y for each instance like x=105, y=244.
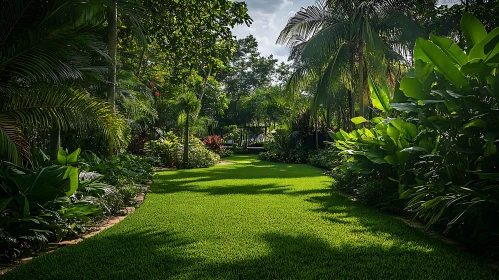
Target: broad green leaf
x=4, y=202
x=443, y=63
x=493, y=56
x=71, y=174
x=335, y=135
x=412, y=150
x=405, y=107
x=391, y=159
x=393, y=133
x=345, y=135
x=377, y=120
x=23, y=205
x=451, y=49
x=413, y=88
x=398, y=95
x=486, y=46
x=423, y=70
x=359, y=120
x=476, y=66
x=475, y=123
x=380, y=96
x=473, y=30
x=375, y=155
x=490, y=149
x=65, y=159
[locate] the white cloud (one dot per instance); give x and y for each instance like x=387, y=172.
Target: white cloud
x=269, y=18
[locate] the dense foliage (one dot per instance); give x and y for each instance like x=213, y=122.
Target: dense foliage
x=169, y=152
x=55, y=200
x=438, y=147
x=285, y=146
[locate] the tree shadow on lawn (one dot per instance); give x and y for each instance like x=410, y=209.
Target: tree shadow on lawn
x=259, y=170
x=308, y=257
x=244, y=189
x=144, y=254
x=172, y=182
x=164, y=255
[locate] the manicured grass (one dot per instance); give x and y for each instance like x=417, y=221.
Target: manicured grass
x=254, y=220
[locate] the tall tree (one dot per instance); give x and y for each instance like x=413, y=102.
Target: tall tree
x=342, y=42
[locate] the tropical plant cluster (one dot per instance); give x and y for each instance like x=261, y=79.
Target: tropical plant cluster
x=435, y=145
x=168, y=152
x=99, y=77
x=285, y=146
x=54, y=200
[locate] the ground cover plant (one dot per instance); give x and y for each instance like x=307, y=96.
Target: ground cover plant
x=253, y=220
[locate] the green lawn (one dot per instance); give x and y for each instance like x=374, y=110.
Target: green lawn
x=254, y=220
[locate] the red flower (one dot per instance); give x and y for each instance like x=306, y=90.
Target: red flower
x=155, y=89
x=157, y=94
x=152, y=84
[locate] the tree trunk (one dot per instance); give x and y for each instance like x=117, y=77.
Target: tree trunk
x=316, y=135
x=361, y=80
x=141, y=61
x=203, y=89
x=55, y=141
x=351, y=104
x=186, y=140
x=112, y=47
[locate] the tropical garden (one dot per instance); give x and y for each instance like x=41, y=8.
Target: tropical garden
x=370, y=154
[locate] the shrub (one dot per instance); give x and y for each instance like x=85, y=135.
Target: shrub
x=214, y=143
x=327, y=159
x=285, y=146
x=199, y=155
x=164, y=149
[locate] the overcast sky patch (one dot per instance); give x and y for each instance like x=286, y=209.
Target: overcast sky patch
x=269, y=18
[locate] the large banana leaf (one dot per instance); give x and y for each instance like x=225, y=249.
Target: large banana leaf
x=473, y=30
x=429, y=52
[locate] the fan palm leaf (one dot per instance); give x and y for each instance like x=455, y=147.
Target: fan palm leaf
x=46, y=105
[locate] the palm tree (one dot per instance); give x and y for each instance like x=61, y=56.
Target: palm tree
x=45, y=50
x=190, y=105
x=341, y=42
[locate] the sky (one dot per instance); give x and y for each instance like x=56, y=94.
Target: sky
x=269, y=18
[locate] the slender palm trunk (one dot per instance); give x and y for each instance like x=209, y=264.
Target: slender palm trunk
x=361, y=80
x=186, y=140
x=112, y=47
x=55, y=140
x=316, y=134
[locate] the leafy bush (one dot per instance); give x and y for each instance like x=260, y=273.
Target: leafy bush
x=41, y=204
x=169, y=151
x=199, y=155
x=165, y=149
x=214, y=143
x=285, y=146
x=226, y=153
x=440, y=153
x=327, y=159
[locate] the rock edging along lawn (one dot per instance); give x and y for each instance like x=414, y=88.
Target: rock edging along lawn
x=96, y=229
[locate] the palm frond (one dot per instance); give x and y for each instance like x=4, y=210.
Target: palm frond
x=13, y=145
x=44, y=105
x=306, y=22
